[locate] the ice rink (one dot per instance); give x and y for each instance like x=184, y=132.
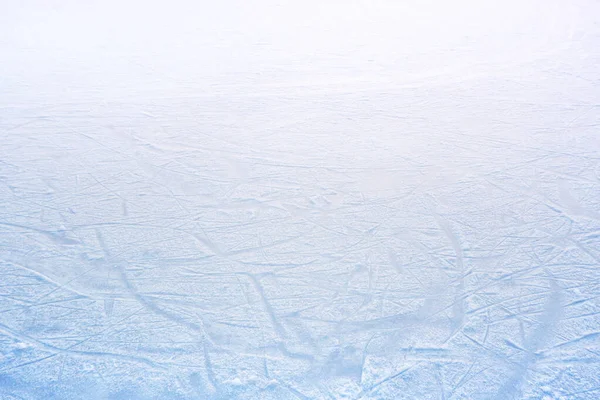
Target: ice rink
x=363, y=199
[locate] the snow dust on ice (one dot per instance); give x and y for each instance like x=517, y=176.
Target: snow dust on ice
x=364, y=199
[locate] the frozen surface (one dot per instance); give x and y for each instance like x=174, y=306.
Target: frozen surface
x=300, y=200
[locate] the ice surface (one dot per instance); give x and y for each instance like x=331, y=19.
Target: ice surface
x=361, y=199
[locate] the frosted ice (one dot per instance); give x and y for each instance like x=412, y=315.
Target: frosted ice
x=364, y=199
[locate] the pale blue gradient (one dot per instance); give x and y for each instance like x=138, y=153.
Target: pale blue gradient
x=300, y=200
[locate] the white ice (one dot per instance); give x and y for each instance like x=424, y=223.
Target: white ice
x=361, y=199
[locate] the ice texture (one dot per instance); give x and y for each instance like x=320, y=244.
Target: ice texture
x=362, y=199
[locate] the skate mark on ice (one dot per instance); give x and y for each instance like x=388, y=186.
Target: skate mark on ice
x=511, y=388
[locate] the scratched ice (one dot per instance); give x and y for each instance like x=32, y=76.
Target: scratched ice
x=362, y=199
